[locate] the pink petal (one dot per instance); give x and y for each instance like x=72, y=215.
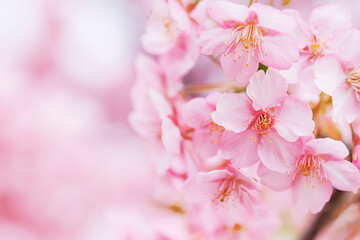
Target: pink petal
x=181, y=58
x=281, y=51
x=212, y=41
x=327, y=147
x=346, y=105
x=305, y=89
x=206, y=144
x=245, y=180
x=329, y=74
x=273, y=18
x=161, y=104
x=201, y=187
x=294, y=119
x=276, y=153
x=274, y=180
x=225, y=12
x=345, y=44
x=239, y=69
x=326, y=19
x=266, y=90
x=240, y=148
x=299, y=33
x=156, y=40
x=343, y=175
x=311, y=196
x=180, y=16
x=196, y=112
x=292, y=74
x=233, y=112
x=171, y=136
x=148, y=71
x=356, y=156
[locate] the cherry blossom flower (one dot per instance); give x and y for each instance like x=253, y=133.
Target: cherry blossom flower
x=171, y=35
x=227, y=190
x=319, y=167
x=155, y=115
x=322, y=36
x=207, y=134
x=339, y=77
x=264, y=126
x=247, y=36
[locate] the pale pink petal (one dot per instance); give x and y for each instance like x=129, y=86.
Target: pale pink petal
x=180, y=59
x=161, y=104
x=201, y=187
x=196, y=112
x=171, y=136
x=274, y=180
x=225, y=12
x=292, y=74
x=327, y=146
x=240, y=148
x=233, y=112
x=266, y=90
x=148, y=71
x=345, y=43
x=343, y=175
x=299, y=33
x=326, y=19
x=305, y=89
x=310, y=196
x=212, y=99
x=346, y=105
x=156, y=39
x=294, y=119
x=273, y=18
x=180, y=16
x=245, y=180
x=281, y=51
x=213, y=40
x=206, y=143
x=276, y=153
x=239, y=69
x=356, y=156
x=329, y=74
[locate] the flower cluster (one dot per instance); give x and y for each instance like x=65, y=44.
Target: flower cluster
x=234, y=100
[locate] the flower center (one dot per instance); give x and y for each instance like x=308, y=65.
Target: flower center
x=246, y=39
x=354, y=82
x=226, y=189
x=308, y=166
x=316, y=47
x=263, y=123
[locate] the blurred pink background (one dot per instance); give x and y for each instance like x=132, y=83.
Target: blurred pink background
x=70, y=166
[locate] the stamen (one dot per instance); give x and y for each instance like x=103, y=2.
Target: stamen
x=308, y=166
x=246, y=37
x=354, y=82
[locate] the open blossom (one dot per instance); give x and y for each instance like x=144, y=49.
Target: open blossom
x=155, y=116
x=264, y=126
x=206, y=135
x=227, y=190
x=247, y=36
x=319, y=167
x=171, y=35
x=339, y=76
x=328, y=29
